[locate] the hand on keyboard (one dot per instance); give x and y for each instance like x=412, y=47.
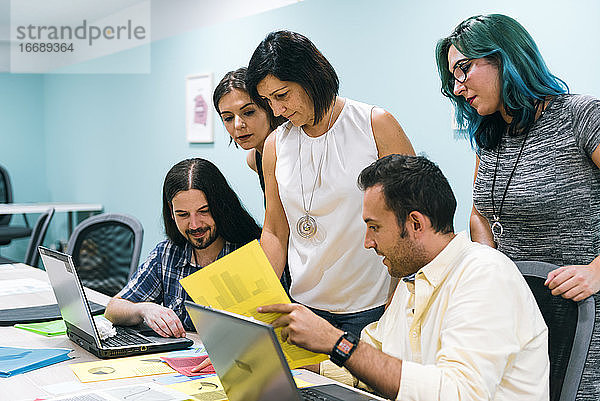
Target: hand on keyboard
x=162, y=320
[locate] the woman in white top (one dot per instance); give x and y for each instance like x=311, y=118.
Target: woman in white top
x=311, y=164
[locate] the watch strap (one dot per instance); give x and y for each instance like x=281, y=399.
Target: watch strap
x=343, y=348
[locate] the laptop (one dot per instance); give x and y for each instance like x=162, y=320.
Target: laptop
x=81, y=327
x=250, y=362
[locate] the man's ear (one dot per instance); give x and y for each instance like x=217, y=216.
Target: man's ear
x=417, y=221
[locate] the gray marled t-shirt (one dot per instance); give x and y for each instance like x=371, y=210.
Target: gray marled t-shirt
x=552, y=208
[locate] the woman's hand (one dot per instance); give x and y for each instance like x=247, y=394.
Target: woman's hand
x=205, y=363
x=575, y=282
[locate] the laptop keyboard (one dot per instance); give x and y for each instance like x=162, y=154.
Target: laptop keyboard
x=124, y=338
x=332, y=392
x=309, y=394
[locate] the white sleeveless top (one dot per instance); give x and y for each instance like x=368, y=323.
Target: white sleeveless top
x=333, y=272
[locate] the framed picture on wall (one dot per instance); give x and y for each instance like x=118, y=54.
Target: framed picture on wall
x=198, y=114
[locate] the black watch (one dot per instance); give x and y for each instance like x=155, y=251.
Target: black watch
x=343, y=348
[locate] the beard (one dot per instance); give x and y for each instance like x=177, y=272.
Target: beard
x=406, y=258
x=204, y=242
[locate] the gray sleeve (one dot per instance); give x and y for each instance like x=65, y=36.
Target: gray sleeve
x=585, y=111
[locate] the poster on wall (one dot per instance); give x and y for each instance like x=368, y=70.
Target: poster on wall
x=199, y=118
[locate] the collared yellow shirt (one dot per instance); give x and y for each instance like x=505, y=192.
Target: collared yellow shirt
x=468, y=328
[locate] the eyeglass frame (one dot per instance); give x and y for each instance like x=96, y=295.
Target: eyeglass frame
x=460, y=64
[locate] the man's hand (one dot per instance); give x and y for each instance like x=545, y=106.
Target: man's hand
x=300, y=326
x=575, y=282
x=161, y=319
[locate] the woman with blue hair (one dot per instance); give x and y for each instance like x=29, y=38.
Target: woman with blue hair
x=536, y=194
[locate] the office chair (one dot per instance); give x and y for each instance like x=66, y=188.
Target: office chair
x=8, y=233
x=32, y=256
x=106, y=251
x=570, y=325
x=40, y=228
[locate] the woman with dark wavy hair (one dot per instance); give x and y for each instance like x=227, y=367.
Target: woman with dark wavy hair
x=248, y=123
x=536, y=194
x=311, y=164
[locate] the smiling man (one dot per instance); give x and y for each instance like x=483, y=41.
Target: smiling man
x=204, y=221
x=462, y=324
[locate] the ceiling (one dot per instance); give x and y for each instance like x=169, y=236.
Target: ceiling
x=167, y=17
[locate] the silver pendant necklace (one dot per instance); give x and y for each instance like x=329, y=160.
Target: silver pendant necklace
x=306, y=226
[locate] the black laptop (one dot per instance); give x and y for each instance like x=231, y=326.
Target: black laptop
x=250, y=363
x=81, y=327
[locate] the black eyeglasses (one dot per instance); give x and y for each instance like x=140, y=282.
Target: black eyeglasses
x=460, y=70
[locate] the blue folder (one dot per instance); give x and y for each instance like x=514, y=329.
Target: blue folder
x=20, y=360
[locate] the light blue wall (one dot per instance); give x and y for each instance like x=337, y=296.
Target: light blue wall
x=111, y=138
x=22, y=144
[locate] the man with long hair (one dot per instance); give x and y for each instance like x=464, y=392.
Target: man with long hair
x=204, y=221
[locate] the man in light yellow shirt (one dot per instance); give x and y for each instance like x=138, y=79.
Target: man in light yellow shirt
x=462, y=324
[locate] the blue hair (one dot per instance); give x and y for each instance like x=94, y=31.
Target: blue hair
x=525, y=79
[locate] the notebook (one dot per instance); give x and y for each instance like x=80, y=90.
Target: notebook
x=36, y=314
x=250, y=363
x=20, y=360
x=81, y=327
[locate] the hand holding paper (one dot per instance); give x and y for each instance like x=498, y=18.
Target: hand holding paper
x=240, y=282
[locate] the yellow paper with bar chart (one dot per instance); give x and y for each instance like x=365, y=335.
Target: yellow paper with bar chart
x=240, y=282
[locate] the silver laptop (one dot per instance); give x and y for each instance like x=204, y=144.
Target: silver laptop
x=81, y=327
x=250, y=363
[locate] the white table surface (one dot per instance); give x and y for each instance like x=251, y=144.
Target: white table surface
x=18, y=208
x=29, y=386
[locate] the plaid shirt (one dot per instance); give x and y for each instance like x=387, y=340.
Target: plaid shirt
x=157, y=279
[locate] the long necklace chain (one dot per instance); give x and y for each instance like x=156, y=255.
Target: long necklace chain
x=496, y=226
x=307, y=225
x=497, y=229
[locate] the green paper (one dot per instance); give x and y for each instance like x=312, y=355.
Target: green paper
x=52, y=328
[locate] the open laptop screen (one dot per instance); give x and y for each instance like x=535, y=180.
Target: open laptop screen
x=68, y=291
x=245, y=354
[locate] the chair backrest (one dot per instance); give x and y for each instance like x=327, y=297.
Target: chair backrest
x=6, y=195
x=32, y=256
x=570, y=325
x=106, y=251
